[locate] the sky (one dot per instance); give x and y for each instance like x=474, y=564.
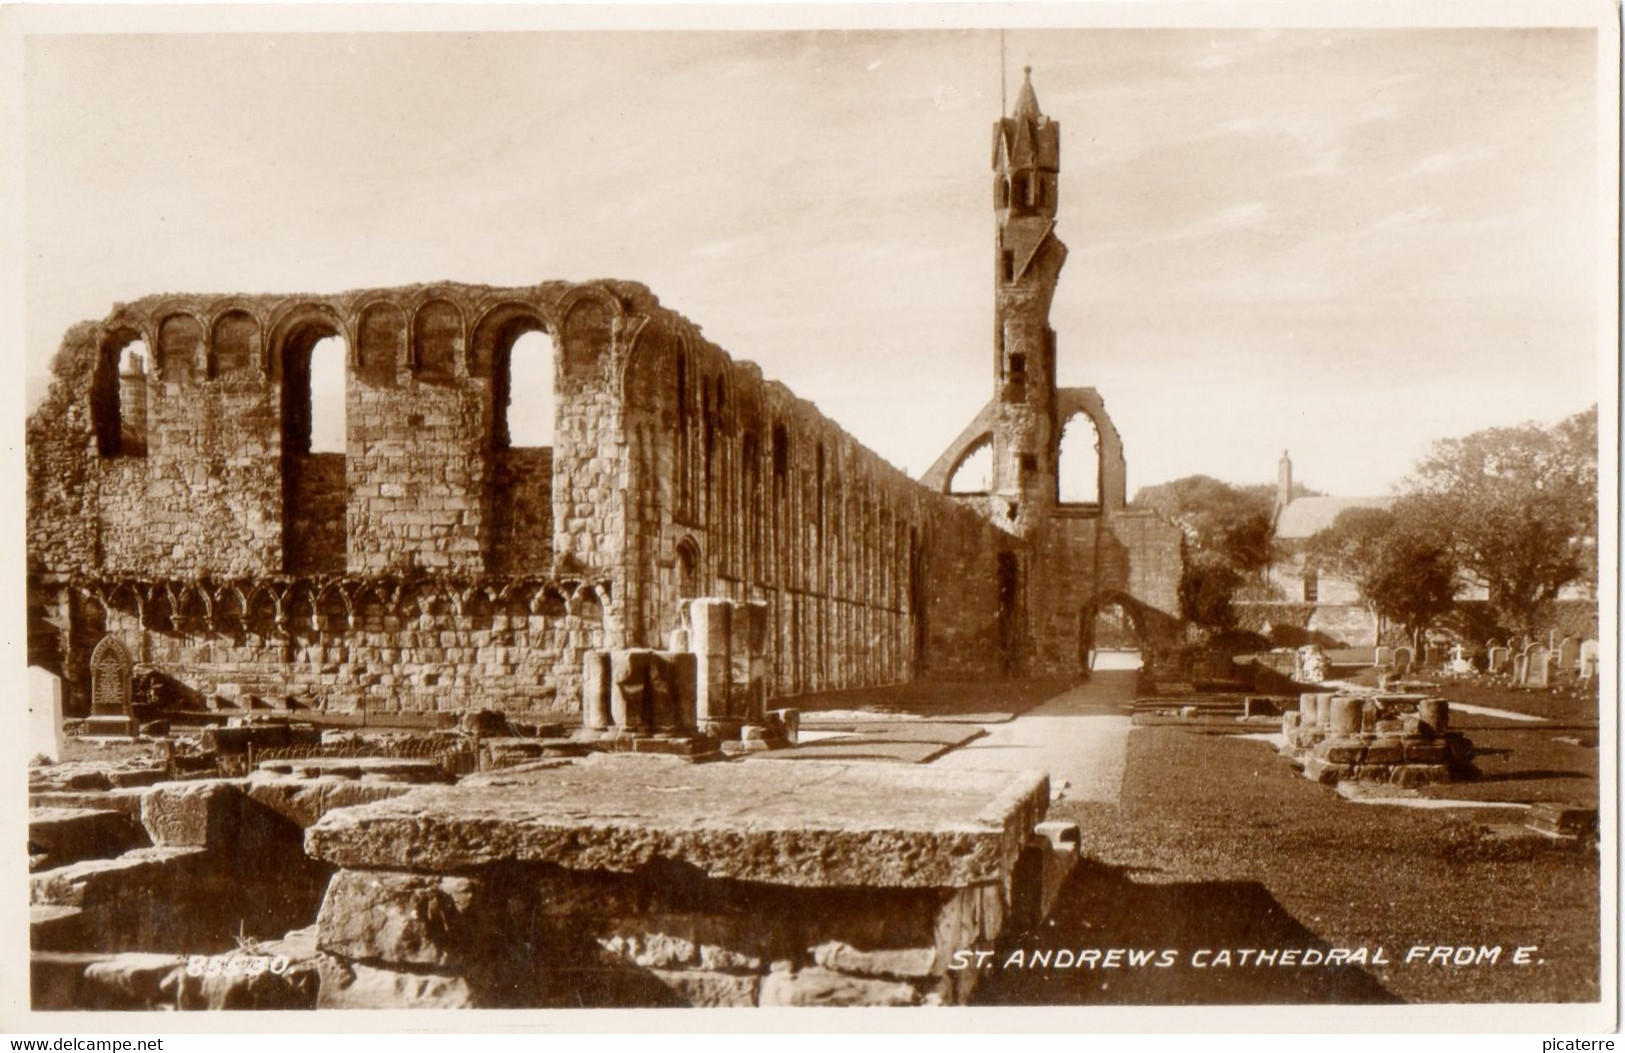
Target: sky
x=1342, y=243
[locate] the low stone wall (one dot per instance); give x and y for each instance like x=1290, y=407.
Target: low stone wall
x=1399, y=739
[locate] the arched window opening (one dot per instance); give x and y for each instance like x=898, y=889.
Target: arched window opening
x=975, y=473
x=119, y=400
x=750, y=456
x=327, y=403
x=1078, y=467
x=688, y=570
x=313, y=392
x=781, y=451
x=524, y=403
x=528, y=405
x=684, y=459
x=315, y=490
x=820, y=485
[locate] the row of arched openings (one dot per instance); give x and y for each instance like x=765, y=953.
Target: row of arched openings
x=315, y=379
x=1077, y=467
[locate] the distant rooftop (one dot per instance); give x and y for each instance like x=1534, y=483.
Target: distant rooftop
x=1304, y=517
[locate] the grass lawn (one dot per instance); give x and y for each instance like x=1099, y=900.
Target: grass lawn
x=1217, y=842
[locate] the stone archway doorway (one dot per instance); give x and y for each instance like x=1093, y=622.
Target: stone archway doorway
x=1109, y=637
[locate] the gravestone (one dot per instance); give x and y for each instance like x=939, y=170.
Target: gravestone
x=1498, y=659
x=1520, y=669
x=111, y=711
x=1538, y=671
x=1459, y=662
x=1402, y=661
x=1383, y=656
x=44, y=714
x=1568, y=655
x=1588, y=659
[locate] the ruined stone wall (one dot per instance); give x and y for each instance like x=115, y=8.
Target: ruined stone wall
x=316, y=502
x=1083, y=561
x=743, y=491
x=222, y=499
x=243, y=563
x=385, y=647
x=522, y=512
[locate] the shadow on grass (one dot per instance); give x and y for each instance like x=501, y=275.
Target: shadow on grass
x=1520, y=776
x=1100, y=908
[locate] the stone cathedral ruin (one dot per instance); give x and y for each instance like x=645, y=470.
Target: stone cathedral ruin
x=695, y=541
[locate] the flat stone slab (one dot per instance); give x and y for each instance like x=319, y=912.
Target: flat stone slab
x=807, y=825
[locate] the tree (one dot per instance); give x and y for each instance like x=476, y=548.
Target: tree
x=1228, y=530
x=1404, y=572
x=1230, y=523
x=1517, y=507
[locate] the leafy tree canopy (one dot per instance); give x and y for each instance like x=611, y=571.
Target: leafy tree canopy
x=1516, y=507
x=1400, y=566
x=1231, y=525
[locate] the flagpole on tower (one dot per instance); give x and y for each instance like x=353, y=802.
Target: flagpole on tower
x=1002, y=78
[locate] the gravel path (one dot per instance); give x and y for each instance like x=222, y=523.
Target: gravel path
x=1079, y=737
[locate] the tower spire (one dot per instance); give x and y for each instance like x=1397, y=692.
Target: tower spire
x=1027, y=99
x=1027, y=261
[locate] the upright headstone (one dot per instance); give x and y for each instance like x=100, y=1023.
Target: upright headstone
x=1588, y=659
x=111, y=696
x=1539, y=670
x=44, y=715
x=1402, y=661
x=1568, y=655
x=1383, y=656
x=1498, y=659
x=1520, y=668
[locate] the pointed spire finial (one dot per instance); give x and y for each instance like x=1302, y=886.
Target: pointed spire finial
x=1027, y=100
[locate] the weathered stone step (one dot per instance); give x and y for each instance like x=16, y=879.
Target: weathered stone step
x=58, y=928
x=59, y=836
x=94, y=881
x=392, y=769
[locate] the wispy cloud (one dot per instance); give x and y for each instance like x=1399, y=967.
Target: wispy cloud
x=1439, y=162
